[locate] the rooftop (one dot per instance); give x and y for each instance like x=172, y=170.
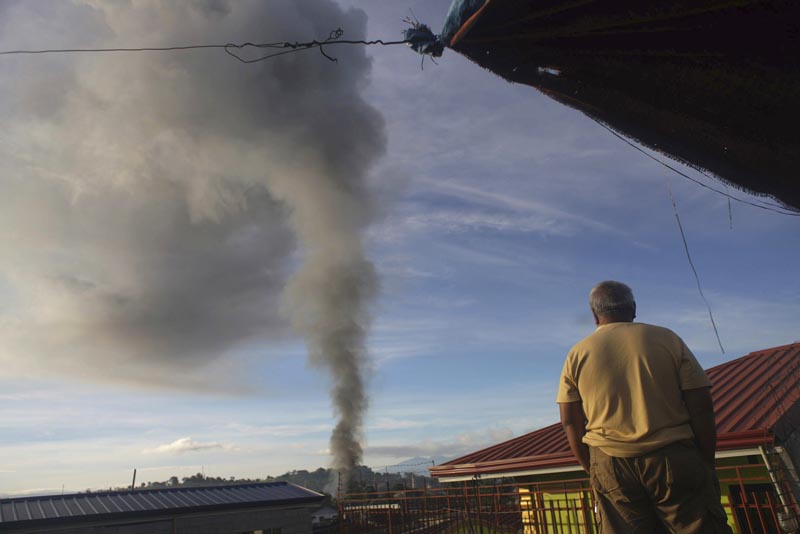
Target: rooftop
x=755, y=402
x=31, y=512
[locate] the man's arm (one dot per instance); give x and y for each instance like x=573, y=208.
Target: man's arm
x=574, y=423
x=701, y=418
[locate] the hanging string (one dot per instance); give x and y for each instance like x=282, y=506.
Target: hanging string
x=691, y=264
x=232, y=49
x=730, y=213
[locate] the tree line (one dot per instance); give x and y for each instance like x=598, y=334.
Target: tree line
x=321, y=480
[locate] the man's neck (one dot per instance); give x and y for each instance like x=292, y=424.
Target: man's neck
x=610, y=320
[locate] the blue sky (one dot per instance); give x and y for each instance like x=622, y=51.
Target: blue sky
x=496, y=211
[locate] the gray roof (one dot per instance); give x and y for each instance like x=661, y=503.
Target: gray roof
x=27, y=512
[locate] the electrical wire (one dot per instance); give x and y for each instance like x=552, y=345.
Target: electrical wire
x=730, y=213
x=230, y=48
x=143, y=49
x=691, y=264
x=333, y=38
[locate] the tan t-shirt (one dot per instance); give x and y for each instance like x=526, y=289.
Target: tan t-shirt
x=630, y=377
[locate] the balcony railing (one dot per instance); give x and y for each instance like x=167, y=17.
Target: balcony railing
x=754, y=504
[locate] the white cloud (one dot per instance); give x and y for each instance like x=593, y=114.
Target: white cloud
x=778, y=322
x=183, y=445
x=459, y=221
x=464, y=443
x=389, y=423
x=281, y=430
x=482, y=209
x=521, y=204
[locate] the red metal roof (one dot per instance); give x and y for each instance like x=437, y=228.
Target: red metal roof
x=751, y=394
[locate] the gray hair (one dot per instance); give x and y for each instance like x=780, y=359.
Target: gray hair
x=610, y=297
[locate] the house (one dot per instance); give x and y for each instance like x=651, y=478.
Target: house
x=757, y=408
x=269, y=508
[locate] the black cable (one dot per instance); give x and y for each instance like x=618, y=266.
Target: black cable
x=769, y=207
x=691, y=264
x=730, y=213
x=298, y=47
x=143, y=49
x=333, y=38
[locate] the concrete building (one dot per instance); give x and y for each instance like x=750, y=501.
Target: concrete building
x=270, y=508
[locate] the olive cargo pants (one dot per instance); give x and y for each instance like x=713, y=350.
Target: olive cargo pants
x=668, y=490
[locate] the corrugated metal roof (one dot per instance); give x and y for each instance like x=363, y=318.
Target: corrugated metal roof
x=752, y=396
x=27, y=511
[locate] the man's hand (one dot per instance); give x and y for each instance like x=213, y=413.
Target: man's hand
x=701, y=413
x=574, y=422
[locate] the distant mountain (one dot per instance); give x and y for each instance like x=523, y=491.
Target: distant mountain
x=418, y=465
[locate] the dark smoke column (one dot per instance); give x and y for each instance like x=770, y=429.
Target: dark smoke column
x=323, y=184
x=330, y=296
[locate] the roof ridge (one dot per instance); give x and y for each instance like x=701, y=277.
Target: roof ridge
x=106, y=493
x=522, y=437
x=750, y=392
x=755, y=353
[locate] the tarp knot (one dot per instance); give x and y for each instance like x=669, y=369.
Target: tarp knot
x=422, y=40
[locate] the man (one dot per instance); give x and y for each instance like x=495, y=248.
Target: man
x=636, y=407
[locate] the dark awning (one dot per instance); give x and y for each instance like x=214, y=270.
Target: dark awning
x=712, y=83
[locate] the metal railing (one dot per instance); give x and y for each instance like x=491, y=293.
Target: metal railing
x=553, y=507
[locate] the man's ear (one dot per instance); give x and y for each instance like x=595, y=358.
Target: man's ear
x=634, y=311
x=596, y=318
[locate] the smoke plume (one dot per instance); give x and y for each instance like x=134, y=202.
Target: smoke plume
x=152, y=203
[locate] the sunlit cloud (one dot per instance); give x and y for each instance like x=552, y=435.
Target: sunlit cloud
x=463, y=443
x=501, y=200
x=280, y=430
x=184, y=445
